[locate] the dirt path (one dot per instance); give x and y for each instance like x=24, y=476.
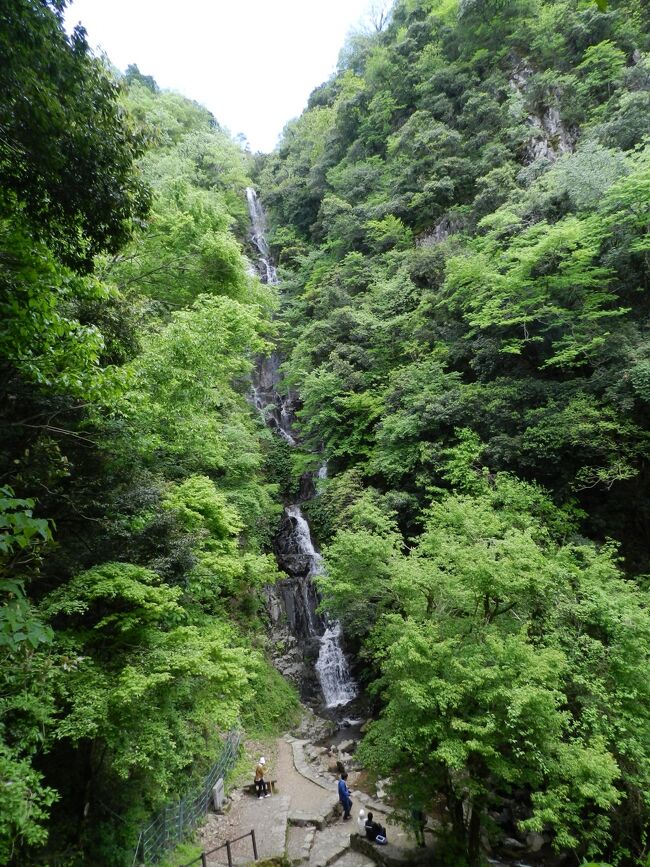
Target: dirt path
x=306, y=796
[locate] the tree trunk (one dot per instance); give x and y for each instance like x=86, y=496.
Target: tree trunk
x=474, y=836
x=455, y=806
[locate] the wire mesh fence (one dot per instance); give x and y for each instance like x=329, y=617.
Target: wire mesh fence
x=175, y=821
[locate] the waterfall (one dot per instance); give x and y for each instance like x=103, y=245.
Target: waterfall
x=301, y=539
x=332, y=669
x=297, y=552
x=268, y=272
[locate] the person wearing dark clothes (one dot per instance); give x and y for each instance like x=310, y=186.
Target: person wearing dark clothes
x=344, y=796
x=374, y=829
x=418, y=821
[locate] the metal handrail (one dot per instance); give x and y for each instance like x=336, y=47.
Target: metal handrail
x=203, y=857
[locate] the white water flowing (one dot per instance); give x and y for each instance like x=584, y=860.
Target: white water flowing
x=332, y=669
x=278, y=420
x=304, y=545
x=258, y=236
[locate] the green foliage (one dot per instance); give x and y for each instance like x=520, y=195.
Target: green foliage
x=26, y=705
x=67, y=152
x=275, y=706
x=468, y=291
x=18, y=526
x=41, y=336
x=130, y=644
x=185, y=853
x=488, y=681
x=220, y=568
x=26, y=804
x=186, y=250
x=507, y=652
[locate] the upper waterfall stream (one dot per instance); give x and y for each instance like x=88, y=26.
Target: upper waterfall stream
x=336, y=683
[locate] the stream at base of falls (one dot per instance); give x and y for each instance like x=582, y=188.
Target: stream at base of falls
x=317, y=639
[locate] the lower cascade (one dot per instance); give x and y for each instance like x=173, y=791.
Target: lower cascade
x=332, y=668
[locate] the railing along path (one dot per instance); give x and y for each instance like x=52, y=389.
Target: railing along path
x=203, y=857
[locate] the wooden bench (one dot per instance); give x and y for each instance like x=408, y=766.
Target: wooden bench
x=271, y=783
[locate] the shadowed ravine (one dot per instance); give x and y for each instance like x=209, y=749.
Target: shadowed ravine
x=297, y=556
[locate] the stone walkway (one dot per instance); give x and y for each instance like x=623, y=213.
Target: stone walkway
x=299, y=819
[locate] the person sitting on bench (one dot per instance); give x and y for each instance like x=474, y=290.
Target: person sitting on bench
x=260, y=785
x=374, y=830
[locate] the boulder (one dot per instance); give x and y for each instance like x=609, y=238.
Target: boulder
x=512, y=846
x=392, y=856
x=535, y=842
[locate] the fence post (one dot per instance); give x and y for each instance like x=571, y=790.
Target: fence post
x=137, y=849
x=156, y=837
x=204, y=860
x=229, y=853
x=254, y=844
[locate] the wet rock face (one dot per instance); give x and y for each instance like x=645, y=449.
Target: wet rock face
x=305, y=648
x=297, y=594
x=276, y=410
x=295, y=559
x=300, y=601
x=293, y=650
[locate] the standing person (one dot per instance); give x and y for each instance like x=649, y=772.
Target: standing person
x=418, y=821
x=344, y=796
x=361, y=821
x=260, y=785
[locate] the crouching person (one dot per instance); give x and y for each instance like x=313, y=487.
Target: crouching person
x=375, y=831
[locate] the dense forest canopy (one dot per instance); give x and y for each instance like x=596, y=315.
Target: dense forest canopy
x=461, y=220
x=133, y=508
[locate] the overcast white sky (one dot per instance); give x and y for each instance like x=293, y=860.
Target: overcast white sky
x=253, y=63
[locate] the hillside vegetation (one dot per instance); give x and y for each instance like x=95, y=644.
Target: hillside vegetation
x=461, y=220
x=133, y=510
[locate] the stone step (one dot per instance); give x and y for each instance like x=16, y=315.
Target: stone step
x=329, y=845
x=393, y=856
x=299, y=842
x=301, y=819
x=270, y=818
x=353, y=859
x=277, y=833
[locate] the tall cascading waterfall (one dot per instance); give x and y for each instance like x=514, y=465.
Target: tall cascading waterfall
x=266, y=267
x=294, y=546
